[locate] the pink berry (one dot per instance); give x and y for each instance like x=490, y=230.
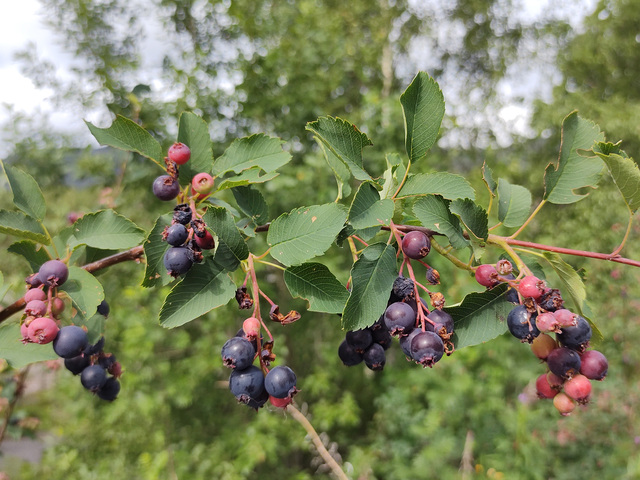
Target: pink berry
x=564, y=404
x=57, y=306
x=547, y=322
x=251, y=328
x=179, y=153
x=578, y=387
x=566, y=318
x=36, y=308
x=531, y=286
x=42, y=330
x=554, y=380
x=34, y=294
x=24, y=331
x=487, y=275
x=594, y=365
x=202, y=183
x=205, y=243
x=543, y=389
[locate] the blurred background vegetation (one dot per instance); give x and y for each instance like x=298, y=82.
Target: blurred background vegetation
x=260, y=65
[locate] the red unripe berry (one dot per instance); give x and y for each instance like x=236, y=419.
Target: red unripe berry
x=57, y=306
x=179, y=153
x=487, y=275
x=251, y=328
x=594, y=365
x=37, y=308
x=564, y=404
x=24, y=331
x=280, y=402
x=34, y=294
x=542, y=346
x=565, y=318
x=547, y=322
x=578, y=388
x=554, y=380
x=543, y=389
x=205, y=243
x=531, y=286
x=202, y=183
x=42, y=330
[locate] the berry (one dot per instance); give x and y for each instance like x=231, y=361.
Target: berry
x=166, y=188
x=93, y=377
x=178, y=260
x=542, y=346
x=594, y=365
x=566, y=318
x=522, y=324
x=95, y=348
x=399, y=318
x=440, y=318
x=349, y=355
x=575, y=337
x=107, y=361
x=551, y=300
x=405, y=340
x=359, y=339
x=179, y=153
x=416, y=245
x=251, y=328
x=402, y=287
x=77, y=364
x=564, y=362
x=578, y=388
x=543, y=389
x=280, y=402
x=182, y=214
x=36, y=308
x=70, y=341
x=247, y=384
x=53, y=273
x=547, y=322
x=531, y=287
x=202, y=183
x=238, y=353
x=24, y=332
x=555, y=381
x=103, y=309
x=564, y=404
x=427, y=348
x=34, y=294
x=374, y=357
x=177, y=234
x=57, y=306
x=207, y=242
x=33, y=280
x=42, y=330
x=109, y=390
x=382, y=337
x=487, y=275
x=280, y=382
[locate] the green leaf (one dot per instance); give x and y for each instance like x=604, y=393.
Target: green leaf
x=231, y=247
x=305, y=232
x=423, y=109
x=372, y=278
x=18, y=354
x=447, y=185
x=433, y=212
x=26, y=192
x=3, y=288
x=21, y=225
x=393, y=175
x=624, y=172
x=194, y=133
x=573, y=171
x=247, y=177
x=127, y=135
x=487, y=178
x=473, y=216
x=314, y=282
x=258, y=150
x=344, y=140
x=154, y=249
x=514, y=203
x=339, y=168
x=204, y=287
x=107, y=230
x=368, y=210
x=30, y=251
x=85, y=292
x=480, y=317
x=252, y=204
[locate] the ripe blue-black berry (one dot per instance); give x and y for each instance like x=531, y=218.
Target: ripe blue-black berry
x=280, y=382
x=374, y=357
x=177, y=234
x=349, y=355
x=238, y=353
x=103, y=309
x=382, y=337
x=166, y=188
x=405, y=341
x=93, y=377
x=109, y=390
x=427, y=348
x=575, y=337
x=95, y=348
x=247, y=384
x=440, y=318
x=399, y=318
x=522, y=324
x=564, y=362
x=178, y=260
x=551, y=300
x=70, y=341
x=402, y=288
x=359, y=339
x=53, y=273
x=106, y=361
x=182, y=213
x=416, y=245
x=77, y=364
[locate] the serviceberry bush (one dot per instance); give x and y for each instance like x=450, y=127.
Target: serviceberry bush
x=392, y=224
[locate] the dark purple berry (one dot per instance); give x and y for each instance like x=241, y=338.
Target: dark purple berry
x=522, y=324
x=256, y=403
x=242, y=334
x=440, y=318
x=349, y=355
x=416, y=245
x=594, y=365
x=382, y=337
x=70, y=341
x=374, y=357
x=109, y=390
x=166, y=188
x=247, y=384
x=238, y=353
x=106, y=361
x=182, y=214
x=359, y=339
x=95, y=348
x=177, y=234
x=93, y=377
x=280, y=382
x=575, y=337
x=33, y=280
x=405, y=341
x=551, y=300
x=77, y=364
x=564, y=362
x=399, y=318
x=103, y=309
x=427, y=348
x=402, y=287
x=53, y=273
x=178, y=260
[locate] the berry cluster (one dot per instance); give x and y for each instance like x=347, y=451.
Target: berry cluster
x=187, y=235
x=534, y=320
x=41, y=325
x=253, y=385
x=424, y=335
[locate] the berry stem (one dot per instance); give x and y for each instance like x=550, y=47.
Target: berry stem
x=445, y=253
x=503, y=242
x=533, y=214
x=255, y=291
x=404, y=179
x=271, y=264
x=626, y=236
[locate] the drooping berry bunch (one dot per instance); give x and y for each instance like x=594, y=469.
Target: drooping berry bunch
x=254, y=385
x=540, y=314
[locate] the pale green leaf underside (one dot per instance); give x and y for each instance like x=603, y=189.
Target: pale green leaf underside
x=27, y=195
x=108, y=230
x=514, y=203
x=258, y=150
x=29, y=250
x=487, y=178
x=447, y=185
x=314, y=282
